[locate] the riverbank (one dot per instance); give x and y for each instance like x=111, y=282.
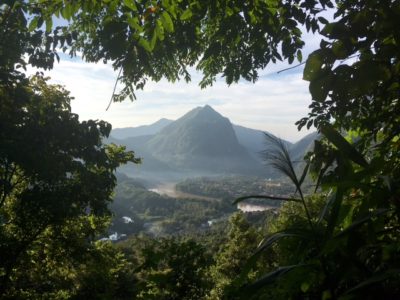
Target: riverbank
x=169, y=189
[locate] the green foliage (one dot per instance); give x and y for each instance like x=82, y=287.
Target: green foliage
x=169, y=268
x=232, y=257
x=155, y=39
x=56, y=175
x=162, y=215
x=348, y=249
x=345, y=232
x=69, y=267
x=106, y=274
x=54, y=196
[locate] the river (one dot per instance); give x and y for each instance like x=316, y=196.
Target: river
x=246, y=207
x=169, y=189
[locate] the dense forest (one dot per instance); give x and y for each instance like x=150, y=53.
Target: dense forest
x=57, y=177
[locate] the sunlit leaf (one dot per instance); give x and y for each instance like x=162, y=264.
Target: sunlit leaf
x=134, y=23
x=145, y=44
x=167, y=22
x=49, y=24
x=33, y=24
x=130, y=4
x=187, y=14
x=153, y=40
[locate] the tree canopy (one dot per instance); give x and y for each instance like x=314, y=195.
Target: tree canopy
x=155, y=39
x=56, y=175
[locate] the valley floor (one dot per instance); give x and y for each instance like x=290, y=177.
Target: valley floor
x=169, y=189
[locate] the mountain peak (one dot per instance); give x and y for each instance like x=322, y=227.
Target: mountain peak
x=162, y=121
x=200, y=135
x=208, y=107
x=203, y=112
x=203, y=108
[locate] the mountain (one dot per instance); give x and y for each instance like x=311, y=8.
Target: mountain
x=254, y=141
x=149, y=164
x=202, y=142
x=128, y=132
x=301, y=147
x=200, y=132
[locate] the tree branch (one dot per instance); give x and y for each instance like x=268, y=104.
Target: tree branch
x=296, y=66
x=115, y=86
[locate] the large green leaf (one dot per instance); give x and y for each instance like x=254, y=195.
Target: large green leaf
x=334, y=209
x=167, y=22
x=344, y=146
x=130, y=4
x=153, y=40
x=361, y=221
x=145, y=44
x=240, y=199
x=134, y=23
x=313, y=66
x=328, y=205
x=33, y=24
x=304, y=174
x=320, y=86
x=66, y=11
x=187, y=14
x=303, y=234
x=267, y=243
x=49, y=24
x=375, y=279
x=270, y=278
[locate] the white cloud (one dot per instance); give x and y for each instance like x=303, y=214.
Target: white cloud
x=274, y=103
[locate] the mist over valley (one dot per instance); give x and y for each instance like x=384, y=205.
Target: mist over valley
x=200, y=143
x=191, y=172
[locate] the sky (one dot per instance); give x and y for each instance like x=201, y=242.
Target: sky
x=274, y=103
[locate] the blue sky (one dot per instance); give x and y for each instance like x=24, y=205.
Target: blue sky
x=274, y=103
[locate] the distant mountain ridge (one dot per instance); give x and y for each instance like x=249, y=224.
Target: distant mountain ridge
x=127, y=132
x=301, y=147
x=254, y=140
x=202, y=140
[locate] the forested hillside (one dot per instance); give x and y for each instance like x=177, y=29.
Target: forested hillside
x=138, y=210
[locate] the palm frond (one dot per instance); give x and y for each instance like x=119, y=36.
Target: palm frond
x=278, y=156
